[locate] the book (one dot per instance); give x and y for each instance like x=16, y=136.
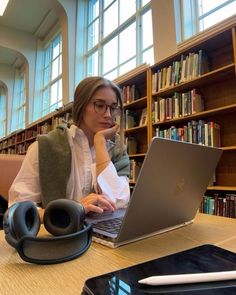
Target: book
x=201, y=259
x=143, y=117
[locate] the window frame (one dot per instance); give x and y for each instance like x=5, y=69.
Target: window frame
x=194, y=18
x=3, y=119
x=18, y=109
x=99, y=47
x=46, y=88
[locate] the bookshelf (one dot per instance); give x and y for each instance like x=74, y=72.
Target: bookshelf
x=217, y=86
x=19, y=141
x=135, y=88
x=215, y=83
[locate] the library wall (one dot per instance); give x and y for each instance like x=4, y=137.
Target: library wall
x=164, y=34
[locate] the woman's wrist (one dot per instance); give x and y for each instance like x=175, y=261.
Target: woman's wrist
x=99, y=139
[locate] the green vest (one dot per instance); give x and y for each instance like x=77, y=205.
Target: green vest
x=55, y=163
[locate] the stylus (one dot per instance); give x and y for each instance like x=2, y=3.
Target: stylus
x=189, y=278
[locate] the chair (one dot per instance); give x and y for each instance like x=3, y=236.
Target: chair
x=9, y=168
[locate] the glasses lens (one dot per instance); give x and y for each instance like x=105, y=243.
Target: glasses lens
x=100, y=107
x=56, y=249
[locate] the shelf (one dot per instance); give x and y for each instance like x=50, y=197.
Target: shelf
x=221, y=188
x=137, y=104
x=223, y=73
x=137, y=155
x=135, y=129
x=229, y=148
x=214, y=112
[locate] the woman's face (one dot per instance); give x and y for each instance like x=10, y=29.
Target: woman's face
x=97, y=114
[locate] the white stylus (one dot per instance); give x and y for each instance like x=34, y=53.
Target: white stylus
x=189, y=278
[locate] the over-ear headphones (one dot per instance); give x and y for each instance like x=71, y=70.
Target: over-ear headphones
x=63, y=218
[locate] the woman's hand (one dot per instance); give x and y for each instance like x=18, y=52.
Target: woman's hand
x=97, y=203
x=107, y=133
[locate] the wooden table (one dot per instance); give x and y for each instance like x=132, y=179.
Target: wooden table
x=19, y=277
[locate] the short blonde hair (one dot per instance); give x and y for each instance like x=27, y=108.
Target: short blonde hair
x=83, y=94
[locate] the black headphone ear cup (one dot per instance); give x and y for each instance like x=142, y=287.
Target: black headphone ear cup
x=21, y=219
x=63, y=217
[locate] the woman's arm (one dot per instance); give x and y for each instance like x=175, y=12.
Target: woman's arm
x=107, y=179
x=26, y=184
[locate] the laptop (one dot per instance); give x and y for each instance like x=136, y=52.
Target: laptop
x=167, y=195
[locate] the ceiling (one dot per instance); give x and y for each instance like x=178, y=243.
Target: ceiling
x=26, y=16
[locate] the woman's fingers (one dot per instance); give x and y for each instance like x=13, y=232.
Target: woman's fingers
x=97, y=203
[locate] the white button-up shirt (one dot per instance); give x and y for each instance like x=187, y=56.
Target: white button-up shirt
x=26, y=185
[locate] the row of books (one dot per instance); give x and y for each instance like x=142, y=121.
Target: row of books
x=135, y=118
x=22, y=147
x=200, y=132
x=219, y=205
x=179, y=105
x=45, y=128
x=63, y=119
x=130, y=93
x=189, y=67
x=132, y=145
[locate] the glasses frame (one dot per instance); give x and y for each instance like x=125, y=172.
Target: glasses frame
x=116, y=111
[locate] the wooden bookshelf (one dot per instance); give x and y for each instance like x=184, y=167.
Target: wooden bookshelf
x=19, y=141
x=218, y=89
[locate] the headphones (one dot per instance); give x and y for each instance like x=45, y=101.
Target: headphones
x=63, y=218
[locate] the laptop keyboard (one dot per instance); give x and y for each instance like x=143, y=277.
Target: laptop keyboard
x=112, y=225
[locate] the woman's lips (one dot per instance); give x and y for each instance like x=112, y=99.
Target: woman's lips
x=105, y=124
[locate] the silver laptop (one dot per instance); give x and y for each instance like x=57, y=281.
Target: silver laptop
x=168, y=192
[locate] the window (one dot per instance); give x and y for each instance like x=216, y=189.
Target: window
x=199, y=15
x=19, y=103
x=52, y=77
x=3, y=112
x=119, y=36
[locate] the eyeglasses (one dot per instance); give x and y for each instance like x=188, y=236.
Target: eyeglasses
x=100, y=107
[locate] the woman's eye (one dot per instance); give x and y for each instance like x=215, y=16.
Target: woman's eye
x=100, y=105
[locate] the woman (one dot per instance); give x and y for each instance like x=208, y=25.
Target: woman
x=86, y=162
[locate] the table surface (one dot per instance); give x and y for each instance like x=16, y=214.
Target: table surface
x=19, y=277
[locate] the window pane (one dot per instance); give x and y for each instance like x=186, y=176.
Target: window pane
x=56, y=47
x=127, y=9
x=47, y=56
x=55, y=68
x=54, y=94
x=45, y=103
x=147, y=36
x=112, y=75
x=128, y=43
x=218, y=16
x=93, y=10
x=46, y=76
x=207, y=5
x=93, y=34
x=148, y=56
x=92, y=64
x=127, y=66
x=60, y=64
x=110, y=19
x=144, y=2
x=2, y=112
x=107, y=2
x=60, y=90
x=110, y=52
